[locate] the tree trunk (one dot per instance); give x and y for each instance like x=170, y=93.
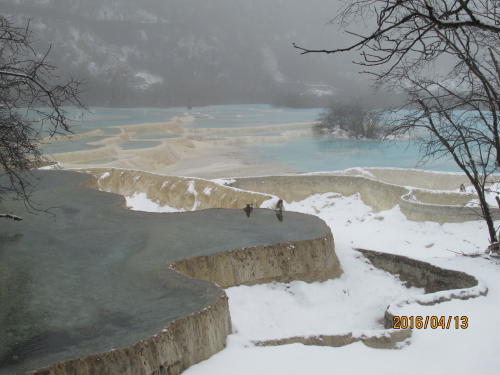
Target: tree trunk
x=486, y=214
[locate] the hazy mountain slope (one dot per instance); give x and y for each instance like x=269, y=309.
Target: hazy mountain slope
x=157, y=52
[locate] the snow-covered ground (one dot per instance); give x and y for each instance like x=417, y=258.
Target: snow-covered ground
x=141, y=202
x=277, y=310
x=357, y=301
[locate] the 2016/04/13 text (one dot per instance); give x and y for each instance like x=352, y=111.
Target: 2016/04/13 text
x=432, y=321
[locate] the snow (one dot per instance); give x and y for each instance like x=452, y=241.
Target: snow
x=140, y=202
x=356, y=301
x=224, y=181
x=192, y=190
x=491, y=192
x=270, y=203
x=277, y=310
x=147, y=79
x=105, y=175
x=57, y=165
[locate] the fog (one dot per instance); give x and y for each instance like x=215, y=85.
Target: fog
x=193, y=52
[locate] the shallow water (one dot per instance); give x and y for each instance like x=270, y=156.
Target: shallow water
x=221, y=116
x=102, y=117
x=315, y=154
x=90, y=276
x=238, y=116
x=302, y=153
x=70, y=145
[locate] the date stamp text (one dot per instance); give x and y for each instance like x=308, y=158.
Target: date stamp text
x=430, y=321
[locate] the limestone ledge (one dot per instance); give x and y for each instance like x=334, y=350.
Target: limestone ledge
x=380, y=193
x=182, y=343
x=380, y=339
x=416, y=204
x=440, y=284
x=183, y=193
x=309, y=260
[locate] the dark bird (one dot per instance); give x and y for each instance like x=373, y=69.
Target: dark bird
x=462, y=188
x=279, y=205
x=279, y=210
x=248, y=209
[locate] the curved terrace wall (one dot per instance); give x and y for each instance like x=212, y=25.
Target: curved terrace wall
x=183, y=193
x=376, y=194
x=416, y=204
x=195, y=193
x=419, y=211
x=417, y=178
x=182, y=343
x=439, y=284
x=309, y=260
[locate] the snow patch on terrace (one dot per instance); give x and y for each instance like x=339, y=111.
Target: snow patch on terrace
x=105, y=175
x=191, y=189
x=140, y=202
x=270, y=203
x=223, y=181
x=491, y=192
x=357, y=300
x=356, y=224
x=56, y=165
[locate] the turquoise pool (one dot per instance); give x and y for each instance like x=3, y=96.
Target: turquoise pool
x=305, y=154
x=315, y=154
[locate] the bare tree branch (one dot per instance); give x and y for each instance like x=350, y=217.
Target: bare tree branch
x=9, y=216
x=32, y=100
x=443, y=56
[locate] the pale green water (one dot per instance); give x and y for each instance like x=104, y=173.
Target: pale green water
x=69, y=145
x=250, y=115
x=316, y=154
x=305, y=154
x=223, y=116
x=101, y=117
